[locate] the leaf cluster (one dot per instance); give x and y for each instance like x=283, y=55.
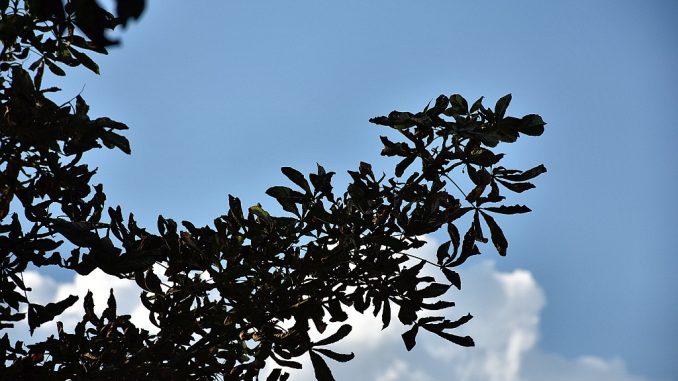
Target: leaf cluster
x=228, y=299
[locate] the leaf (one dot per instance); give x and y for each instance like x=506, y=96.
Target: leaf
x=453, y=232
x=478, y=229
x=342, y=332
x=341, y=357
x=433, y=290
x=78, y=233
x=459, y=105
x=336, y=312
x=517, y=187
x=152, y=282
x=386, y=314
x=453, y=277
x=527, y=175
x=275, y=374
x=322, y=371
x=85, y=60
x=513, y=209
x=110, y=312
x=443, y=252
x=468, y=248
x=465, y=341
x=113, y=140
x=286, y=197
x=477, y=105
x=55, y=69
x=410, y=336
x=407, y=313
x=502, y=105
x=38, y=314
x=532, y=125
x=287, y=363
x=402, y=166
x=296, y=177
x=81, y=107
x=130, y=9
x=498, y=238
x=439, y=305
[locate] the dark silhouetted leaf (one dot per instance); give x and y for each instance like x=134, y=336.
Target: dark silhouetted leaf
x=296, y=177
x=274, y=375
x=37, y=314
x=410, y=336
x=516, y=187
x=453, y=277
x=532, y=125
x=498, y=238
x=443, y=252
x=85, y=60
x=513, y=209
x=465, y=341
x=527, y=175
x=342, y=332
x=322, y=371
x=433, y=290
x=113, y=140
x=402, y=166
x=386, y=314
x=459, y=104
x=341, y=357
x=502, y=105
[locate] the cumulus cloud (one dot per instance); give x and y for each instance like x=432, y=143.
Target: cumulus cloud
x=506, y=308
x=45, y=290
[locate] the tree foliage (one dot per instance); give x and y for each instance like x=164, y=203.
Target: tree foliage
x=229, y=298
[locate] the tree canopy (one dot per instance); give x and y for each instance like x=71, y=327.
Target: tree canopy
x=229, y=298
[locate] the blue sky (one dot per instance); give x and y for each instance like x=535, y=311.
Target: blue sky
x=220, y=95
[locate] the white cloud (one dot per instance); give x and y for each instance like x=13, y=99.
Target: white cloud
x=45, y=290
x=506, y=308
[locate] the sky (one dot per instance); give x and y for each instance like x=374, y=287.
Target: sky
x=222, y=94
